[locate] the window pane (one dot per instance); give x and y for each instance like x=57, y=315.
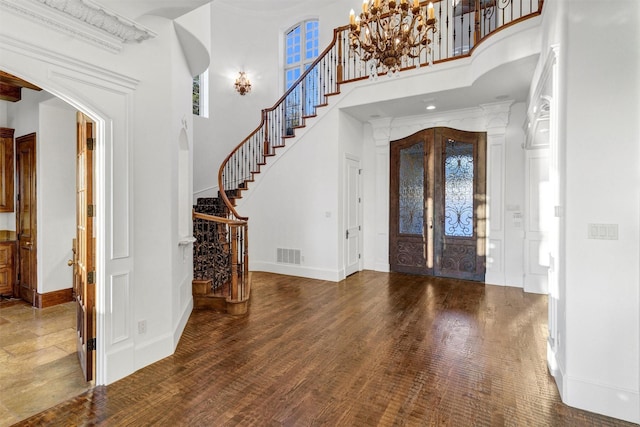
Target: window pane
x=293, y=46
x=311, y=40
x=291, y=75
x=458, y=193
x=411, y=191
x=195, y=96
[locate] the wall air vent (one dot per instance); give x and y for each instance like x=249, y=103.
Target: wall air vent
x=288, y=256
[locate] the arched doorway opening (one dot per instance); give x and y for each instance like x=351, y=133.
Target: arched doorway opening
x=50, y=117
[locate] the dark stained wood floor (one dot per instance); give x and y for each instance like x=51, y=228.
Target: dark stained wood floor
x=375, y=349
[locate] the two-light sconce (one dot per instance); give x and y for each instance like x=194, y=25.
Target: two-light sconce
x=243, y=85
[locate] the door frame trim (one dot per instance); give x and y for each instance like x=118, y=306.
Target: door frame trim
x=347, y=157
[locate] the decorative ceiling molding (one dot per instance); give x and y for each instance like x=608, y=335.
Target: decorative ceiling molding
x=82, y=19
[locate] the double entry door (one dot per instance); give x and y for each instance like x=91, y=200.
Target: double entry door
x=438, y=205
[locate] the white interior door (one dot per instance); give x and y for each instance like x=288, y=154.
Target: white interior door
x=538, y=220
x=352, y=216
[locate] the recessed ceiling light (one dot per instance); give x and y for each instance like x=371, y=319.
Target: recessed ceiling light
x=431, y=107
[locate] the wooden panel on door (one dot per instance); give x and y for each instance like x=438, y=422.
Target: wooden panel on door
x=459, y=238
x=26, y=226
x=410, y=211
x=84, y=247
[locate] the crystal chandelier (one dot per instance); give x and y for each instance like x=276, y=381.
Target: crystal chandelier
x=389, y=32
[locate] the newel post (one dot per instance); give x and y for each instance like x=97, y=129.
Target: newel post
x=339, y=67
x=234, y=262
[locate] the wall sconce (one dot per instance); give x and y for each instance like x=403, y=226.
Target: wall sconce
x=243, y=85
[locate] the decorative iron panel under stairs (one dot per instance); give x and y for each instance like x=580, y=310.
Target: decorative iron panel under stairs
x=217, y=270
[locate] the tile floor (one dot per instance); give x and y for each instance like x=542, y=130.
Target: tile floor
x=39, y=367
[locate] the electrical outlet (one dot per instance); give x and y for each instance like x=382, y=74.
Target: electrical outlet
x=142, y=327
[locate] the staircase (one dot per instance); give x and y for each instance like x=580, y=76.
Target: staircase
x=215, y=265
x=221, y=250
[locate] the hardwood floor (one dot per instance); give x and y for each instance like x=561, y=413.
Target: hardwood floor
x=375, y=349
x=39, y=367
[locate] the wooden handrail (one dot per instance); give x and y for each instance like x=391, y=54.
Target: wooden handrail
x=219, y=219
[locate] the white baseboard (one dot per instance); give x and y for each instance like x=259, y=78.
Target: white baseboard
x=179, y=329
x=118, y=363
x=494, y=278
x=602, y=399
x=151, y=351
x=555, y=369
x=536, y=284
x=296, y=270
x=382, y=267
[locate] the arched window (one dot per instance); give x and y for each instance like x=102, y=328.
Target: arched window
x=301, y=49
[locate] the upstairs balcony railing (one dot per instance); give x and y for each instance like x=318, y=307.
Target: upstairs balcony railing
x=461, y=26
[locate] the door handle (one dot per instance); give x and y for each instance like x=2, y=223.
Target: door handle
x=70, y=262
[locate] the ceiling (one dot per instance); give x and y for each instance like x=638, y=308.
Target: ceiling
x=506, y=82
x=510, y=81
x=11, y=87
x=172, y=9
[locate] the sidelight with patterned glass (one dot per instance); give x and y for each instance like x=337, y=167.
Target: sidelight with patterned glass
x=458, y=189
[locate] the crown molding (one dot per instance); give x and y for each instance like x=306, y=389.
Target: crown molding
x=83, y=19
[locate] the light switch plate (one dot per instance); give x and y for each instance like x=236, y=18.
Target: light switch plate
x=602, y=231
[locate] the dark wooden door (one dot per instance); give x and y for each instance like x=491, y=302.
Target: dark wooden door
x=84, y=250
x=411, y=190
x=437, y=204
x=26, y=217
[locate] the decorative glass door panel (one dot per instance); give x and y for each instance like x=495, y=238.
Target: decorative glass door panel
x=458, y=189
x=437, y=190
x=411, y=190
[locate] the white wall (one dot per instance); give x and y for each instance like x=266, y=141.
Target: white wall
x=598, y=308
x=514, y=196
x=56, y=201
x=302, y=199
x=602, y=281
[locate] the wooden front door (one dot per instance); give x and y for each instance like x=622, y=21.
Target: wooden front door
x=26, y=217
x=437, y=204
x=84, y=250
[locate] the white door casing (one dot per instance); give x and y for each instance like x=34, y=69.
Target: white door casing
x=352, y=215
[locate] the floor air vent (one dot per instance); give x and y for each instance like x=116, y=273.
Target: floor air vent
x=288, y=256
